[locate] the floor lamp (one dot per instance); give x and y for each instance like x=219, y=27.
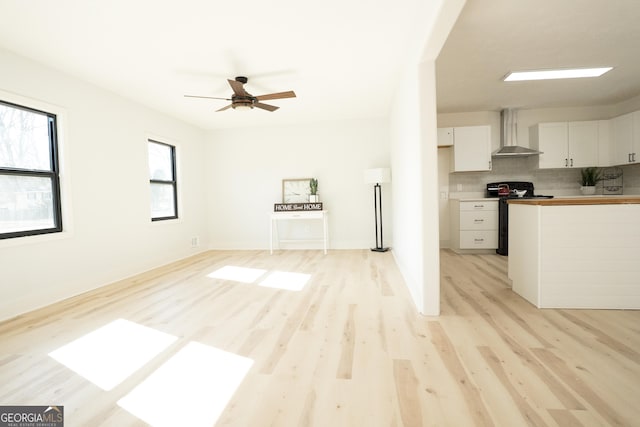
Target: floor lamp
x=377, y=177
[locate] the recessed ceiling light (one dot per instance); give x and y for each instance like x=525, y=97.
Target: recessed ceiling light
x=555, y=74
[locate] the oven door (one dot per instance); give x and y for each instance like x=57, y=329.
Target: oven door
x=503, y=227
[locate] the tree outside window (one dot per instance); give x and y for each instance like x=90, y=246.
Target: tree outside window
x=29, y=175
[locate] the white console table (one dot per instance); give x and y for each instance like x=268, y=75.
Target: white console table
x=295, y=215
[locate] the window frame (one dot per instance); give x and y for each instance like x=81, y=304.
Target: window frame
x=53, y=174
x=173, y=182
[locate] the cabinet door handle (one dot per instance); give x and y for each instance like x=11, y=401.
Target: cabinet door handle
x=478, y=220
x=478, y=240
x=489, y=164
x=566, y=162
x=633, y=157
x=571, y=162
x=629, y=157
x=478, y=206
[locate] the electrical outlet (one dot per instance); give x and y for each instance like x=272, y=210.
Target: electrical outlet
x=195, y=242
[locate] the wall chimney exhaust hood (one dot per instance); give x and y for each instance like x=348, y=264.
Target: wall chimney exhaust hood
x=509, y=137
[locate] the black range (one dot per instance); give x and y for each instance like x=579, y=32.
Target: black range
x=506, y=190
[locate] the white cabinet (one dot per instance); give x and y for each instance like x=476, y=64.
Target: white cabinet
x=626, y=138
x=583, y=144
x=566, y=144
x=474, y=224
x=605, y=143
x=635, y=147
x=553, y=140
x=445, y=137
x=472, y=148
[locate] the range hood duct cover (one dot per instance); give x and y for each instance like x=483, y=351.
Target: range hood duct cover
x=509, y=137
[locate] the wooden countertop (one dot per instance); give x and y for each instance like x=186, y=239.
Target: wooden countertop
x=570, y=201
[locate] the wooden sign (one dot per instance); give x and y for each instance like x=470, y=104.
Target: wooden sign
x=287, y=207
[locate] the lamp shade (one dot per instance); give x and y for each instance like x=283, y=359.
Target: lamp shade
x=377, y=176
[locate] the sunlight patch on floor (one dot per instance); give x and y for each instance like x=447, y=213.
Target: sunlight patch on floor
x=110, y=354
x=190, y=389
x=289, y=281
x=238, y=274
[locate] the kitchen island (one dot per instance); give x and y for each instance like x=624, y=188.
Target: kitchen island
x=576, y=252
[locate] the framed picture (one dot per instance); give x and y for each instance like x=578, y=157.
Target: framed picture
x=295, y=190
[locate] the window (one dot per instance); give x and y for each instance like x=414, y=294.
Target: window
x=29, y=175
x=164, y=188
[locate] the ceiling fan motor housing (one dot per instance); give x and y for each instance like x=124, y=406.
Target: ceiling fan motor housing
x=243, y=101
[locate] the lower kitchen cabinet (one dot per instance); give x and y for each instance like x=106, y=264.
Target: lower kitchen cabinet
x=474, y=224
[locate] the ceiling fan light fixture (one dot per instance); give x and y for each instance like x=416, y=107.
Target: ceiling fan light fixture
x=242, y=106
x=567, y=73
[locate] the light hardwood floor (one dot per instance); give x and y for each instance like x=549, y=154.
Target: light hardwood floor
x=348, y=349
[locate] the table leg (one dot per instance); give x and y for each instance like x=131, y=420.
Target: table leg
x=271, y=237
x=325, y=230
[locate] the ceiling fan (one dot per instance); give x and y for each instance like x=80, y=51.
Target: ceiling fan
x=241, y=99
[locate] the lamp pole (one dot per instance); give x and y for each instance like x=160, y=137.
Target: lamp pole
x=377, y=206
x=376, y=177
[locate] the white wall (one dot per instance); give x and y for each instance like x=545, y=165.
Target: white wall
x=108, y=234
x=430, y=194
x=245, y=168
x=632, y=104
x=406, y=164
x=415, y=162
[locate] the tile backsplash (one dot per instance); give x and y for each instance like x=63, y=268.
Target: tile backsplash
x=546, y=181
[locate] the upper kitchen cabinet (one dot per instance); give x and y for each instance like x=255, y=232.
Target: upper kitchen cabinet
x=626, y=138
x=583, y=143
x=472, y=148
x=445, y=137
x=566, y=144
x=605, y=144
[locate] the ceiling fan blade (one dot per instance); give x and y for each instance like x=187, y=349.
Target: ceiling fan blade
x=279, y=95
x=238, y=88
x=265, y=106
x=224, y=108
x=207, y=97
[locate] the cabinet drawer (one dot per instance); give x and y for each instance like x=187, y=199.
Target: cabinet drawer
x=479, y=239
x=488, y=205
x=478, y=220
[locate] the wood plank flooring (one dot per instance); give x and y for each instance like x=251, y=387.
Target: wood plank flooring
x=299, y=338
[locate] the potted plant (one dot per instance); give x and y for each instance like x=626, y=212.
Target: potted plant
x=313, y=190
x=589, y=177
